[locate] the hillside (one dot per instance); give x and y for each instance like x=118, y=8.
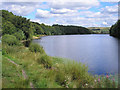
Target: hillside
x=115, y=29
x=24, y=29
x=100, y=30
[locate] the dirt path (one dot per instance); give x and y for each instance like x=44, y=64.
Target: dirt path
x=23, y=73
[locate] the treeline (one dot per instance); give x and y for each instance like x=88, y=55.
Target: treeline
x=24, y=29
x=115, y=29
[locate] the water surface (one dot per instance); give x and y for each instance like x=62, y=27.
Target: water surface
x=98, y=51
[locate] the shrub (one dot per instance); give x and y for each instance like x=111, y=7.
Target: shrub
x=34, y=47
x=60, y=78
x=46, y=61
x=10, y=40
x=19, y=35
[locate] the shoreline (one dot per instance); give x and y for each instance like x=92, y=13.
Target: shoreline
x=38, y=37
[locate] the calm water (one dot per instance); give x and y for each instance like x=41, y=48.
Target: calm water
x=98, y=52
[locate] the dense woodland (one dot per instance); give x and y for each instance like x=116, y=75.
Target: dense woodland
x=24, y=29
x=115, y=29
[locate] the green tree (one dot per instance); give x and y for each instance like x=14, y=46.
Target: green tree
x=19, y=35
x=9, y=40
x=8, y=28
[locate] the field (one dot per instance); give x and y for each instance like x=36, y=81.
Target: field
x=100, y=30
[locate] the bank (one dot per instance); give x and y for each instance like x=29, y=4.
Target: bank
x=48, y=72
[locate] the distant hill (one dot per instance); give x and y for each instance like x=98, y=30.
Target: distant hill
x=100, y=30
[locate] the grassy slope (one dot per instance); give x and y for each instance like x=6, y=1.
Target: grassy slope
x=12, y=75
x=37, y=73
x=59, y=76
x=102, y=29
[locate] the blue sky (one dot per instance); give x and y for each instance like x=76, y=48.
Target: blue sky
x=87, y=13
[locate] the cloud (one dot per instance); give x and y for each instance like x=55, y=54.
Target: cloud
x=109, y=0
x=21, y=0
x=23, y=8
x=104, y=23
x=62, y=11
x=43, y=14
x=110, y=9
x=76, y=12
x=78, y=4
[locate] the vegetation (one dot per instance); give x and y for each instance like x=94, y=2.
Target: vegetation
x=100, y=30
x=46, y=61
x=115, y=29
x=40, y=69
x=10, y=40
x=67, y=30
x=24, y=29
x=34, y=47
x=48, y=72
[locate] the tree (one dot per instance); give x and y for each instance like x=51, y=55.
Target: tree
x=8, y=28
x=19, y=35
x=115, y=29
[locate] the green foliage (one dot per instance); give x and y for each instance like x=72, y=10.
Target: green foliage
x=21, y=26
x=19, y=35
x=46, y=61
x=10, y=40
x=68, y=30
x=34, y=47
x=48, y=72
x=99, y=30
x=12, y=24
x=37, y=28
x=60, y=78
x=8, y=28
x=115, y=29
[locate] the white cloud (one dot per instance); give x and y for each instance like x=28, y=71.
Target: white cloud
x=77, y=4
x=104, y=23
x=20, y=8
x=21, y=1
x=109, y=0
x=62, y=11
x=110, y=9
x=66, y=12
x=83, y=18
x=43, y=14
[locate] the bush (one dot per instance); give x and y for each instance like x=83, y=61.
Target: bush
x=19, y=35
x=10, y=40
x=60, y=78
x=34, y=47
x=46, y=61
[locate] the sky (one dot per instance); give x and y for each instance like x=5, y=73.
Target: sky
x=87, y=13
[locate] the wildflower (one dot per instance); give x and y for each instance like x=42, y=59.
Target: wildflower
x=107, y=76
x=113, y=79
x=95, y=80
x=86, y=84
x=98, y=79
x=67, y=87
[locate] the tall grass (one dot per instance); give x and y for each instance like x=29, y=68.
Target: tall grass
x=52, y=72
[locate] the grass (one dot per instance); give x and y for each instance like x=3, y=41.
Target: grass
x=48, y=72
x=12, y=76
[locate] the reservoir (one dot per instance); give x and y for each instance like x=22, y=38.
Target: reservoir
x=98, y=51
